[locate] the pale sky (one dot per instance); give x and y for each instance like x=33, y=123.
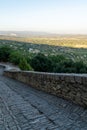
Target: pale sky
x=55, y=16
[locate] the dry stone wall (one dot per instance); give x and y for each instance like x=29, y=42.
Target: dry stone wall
x=69, y=86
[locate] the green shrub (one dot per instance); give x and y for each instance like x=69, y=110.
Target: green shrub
x=80, y=67
x=57, y=58
x=5, y=52
x=41, y=63
x=69, y=66
x=23, y=65
x=15, y=57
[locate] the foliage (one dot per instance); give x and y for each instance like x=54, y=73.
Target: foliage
x=57, y=64
x=70, y=66
x=80, y=67
x=5, y=52
x=23, y=65
x=76, y=54
x=69, y=61
x=57, y=58
x=41, y=63
x=15, y=57
x=64, y=67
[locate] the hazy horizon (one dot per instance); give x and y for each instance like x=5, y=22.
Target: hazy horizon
x=50, y=16
x=43, y=32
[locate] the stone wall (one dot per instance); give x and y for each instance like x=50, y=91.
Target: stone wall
x=69, y=86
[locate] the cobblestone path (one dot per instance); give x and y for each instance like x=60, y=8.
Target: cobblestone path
x=24, y=108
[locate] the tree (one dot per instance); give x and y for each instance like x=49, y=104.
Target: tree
x=23, y=65
x=5, y=52
x=57, y=58
x=41, y=63
x=65, y=66
x=80, y=67
x=15, y=57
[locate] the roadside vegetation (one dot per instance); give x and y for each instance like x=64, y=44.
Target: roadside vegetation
x=31, y=49
x=59, y=63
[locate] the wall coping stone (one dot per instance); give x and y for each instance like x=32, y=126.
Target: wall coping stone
x=68, y=86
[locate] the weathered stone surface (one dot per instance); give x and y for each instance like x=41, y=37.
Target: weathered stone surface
x=25, y=108
x=78, y=79
x=68, y=86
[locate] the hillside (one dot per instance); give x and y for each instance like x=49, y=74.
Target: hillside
x=73, y=47
x=74, y=41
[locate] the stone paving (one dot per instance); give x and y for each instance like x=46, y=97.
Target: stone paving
x=24, y=108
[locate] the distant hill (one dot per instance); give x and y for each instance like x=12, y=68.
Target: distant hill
x=66, y=40
x=39, y=34
x=23, y=33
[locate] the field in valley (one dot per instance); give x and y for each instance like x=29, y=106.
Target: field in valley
x=72, y=46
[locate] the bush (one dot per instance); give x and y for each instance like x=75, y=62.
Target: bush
x=57, y=64
x=63, y=66
x=23, y=65
x=15, y=57
x=69, y=66
x=5, y=52
x=41, y=63
x=57, y=58
x=80, y=67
